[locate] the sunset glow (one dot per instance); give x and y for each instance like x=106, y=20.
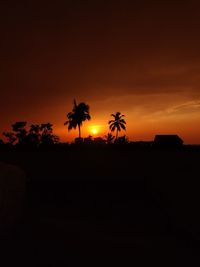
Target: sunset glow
x=100, y=131
x=94, y=130
x=118, y=59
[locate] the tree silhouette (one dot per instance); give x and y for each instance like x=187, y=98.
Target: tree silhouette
x=34, y=129
x=79, y=113
x=122, y=140
x=20, y=130
x=10, y=137
x=47, y=136
x=34, y=135
x=46, y=128
x=109, y=138
x=117, y=123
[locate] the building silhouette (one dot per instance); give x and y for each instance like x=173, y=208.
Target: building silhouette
x=168, y=141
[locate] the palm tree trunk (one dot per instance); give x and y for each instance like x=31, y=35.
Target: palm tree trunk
x=79, y=130
x=117, y=134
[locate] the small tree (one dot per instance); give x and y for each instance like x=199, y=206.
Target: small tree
x=109, y=138
x=122, y=140
x=36, y=135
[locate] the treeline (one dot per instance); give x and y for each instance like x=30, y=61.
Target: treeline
x=41, y=135
x=33, y=136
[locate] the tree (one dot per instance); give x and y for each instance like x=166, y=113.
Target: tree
x=34, y=129
x=117, y=123
x=109, y=138
x=77, y=116
x=38, y=134
x=34, y=135
x=10, y=137
x=122, y=140
x=47, y=136
x=46, y=128
x=20, y=130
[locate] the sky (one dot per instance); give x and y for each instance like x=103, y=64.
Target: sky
x=141, y=58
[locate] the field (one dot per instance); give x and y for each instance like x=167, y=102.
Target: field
x=106, y=206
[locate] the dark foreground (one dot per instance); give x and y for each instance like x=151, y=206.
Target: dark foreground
x=103, y=207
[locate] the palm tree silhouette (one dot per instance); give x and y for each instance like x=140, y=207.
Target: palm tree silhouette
x=117, y=123
x=79, y=113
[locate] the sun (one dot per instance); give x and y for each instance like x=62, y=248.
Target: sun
x=94, y=129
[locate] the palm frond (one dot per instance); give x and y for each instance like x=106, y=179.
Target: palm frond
x=122, y=121
x=118, y=122
x=122, y=126
x=112, y=127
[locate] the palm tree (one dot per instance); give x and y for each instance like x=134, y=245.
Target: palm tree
x=117, y=123
x=79, y=113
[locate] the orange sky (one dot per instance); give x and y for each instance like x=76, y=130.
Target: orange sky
x=140, y=58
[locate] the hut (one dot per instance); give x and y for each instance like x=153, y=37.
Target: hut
x=168, y=141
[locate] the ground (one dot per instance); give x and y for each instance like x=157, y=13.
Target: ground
x=105, y=205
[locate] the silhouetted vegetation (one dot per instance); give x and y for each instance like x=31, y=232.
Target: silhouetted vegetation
x=122, y=140
x=77, y=116
x=109, y=138
x=122, y=195
x=10, y=137
x=117, y=123
x=41, y=136
x=34, y=136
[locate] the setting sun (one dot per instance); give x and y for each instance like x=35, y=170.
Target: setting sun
x=94, y=130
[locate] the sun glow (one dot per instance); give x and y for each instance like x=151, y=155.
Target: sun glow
x=94, y=130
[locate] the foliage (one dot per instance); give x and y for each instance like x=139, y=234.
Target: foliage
x=37, y=135
x=109, y=138
x=122, y=140
x=117, y=123
x=19, y=128
x=34, y=136
x=10, y=137
x=77, y=116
